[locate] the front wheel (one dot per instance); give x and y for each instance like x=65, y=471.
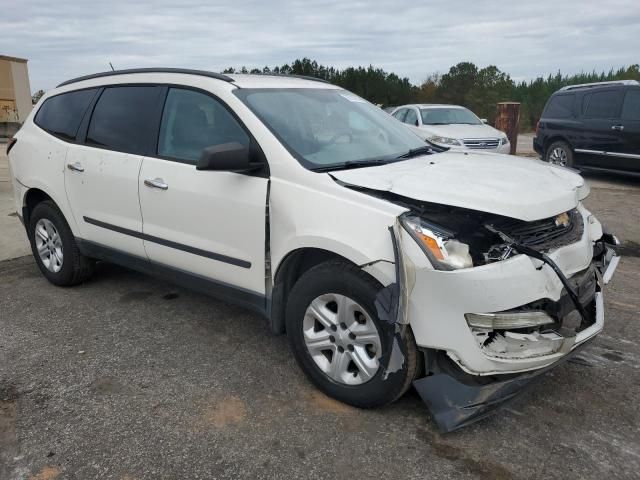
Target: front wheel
x=560, y=153
x=338, y=339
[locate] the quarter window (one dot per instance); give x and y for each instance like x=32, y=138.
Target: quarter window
x=601, y=104
x=631, y=106
x=560, y=106
x=193, y=121
x=399, y=115
x=61, y=115
x=411, y=118
x=122, y=117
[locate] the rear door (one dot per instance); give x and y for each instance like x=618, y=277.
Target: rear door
x=101, y=174
x=600, y=117
x=629, y=132
x=208, y=223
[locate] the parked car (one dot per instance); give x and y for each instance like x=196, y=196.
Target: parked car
x=593, y=126
x=452, y=126
x=385, y=260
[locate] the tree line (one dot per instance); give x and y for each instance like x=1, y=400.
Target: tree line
x=478, y=89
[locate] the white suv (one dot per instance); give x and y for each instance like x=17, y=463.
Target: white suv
x=452, y=126
x=386, y=261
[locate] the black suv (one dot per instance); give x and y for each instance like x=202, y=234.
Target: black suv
x=592, y=126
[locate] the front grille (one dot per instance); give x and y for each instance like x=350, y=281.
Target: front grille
x=481, y=143
x=544, y=234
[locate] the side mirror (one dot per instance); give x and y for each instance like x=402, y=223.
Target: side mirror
x=230, y=157
x=484, y=120
x=417, y=124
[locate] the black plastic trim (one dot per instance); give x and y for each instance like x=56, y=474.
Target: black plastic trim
x=168, y=243
x=201, y=73
x=457, y=400
x=246, y=298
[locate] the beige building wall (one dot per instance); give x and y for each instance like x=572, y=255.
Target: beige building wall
x=15, y=91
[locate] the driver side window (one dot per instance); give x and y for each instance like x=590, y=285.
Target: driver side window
x=193, y=121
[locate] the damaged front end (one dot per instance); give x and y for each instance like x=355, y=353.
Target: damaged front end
x=512, y=346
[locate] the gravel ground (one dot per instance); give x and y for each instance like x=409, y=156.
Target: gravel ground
x=126, y=377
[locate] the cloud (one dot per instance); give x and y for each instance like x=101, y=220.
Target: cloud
x=413, y=39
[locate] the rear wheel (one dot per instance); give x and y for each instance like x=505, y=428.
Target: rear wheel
x=338, y=340
x=54, y=247
x=560, y=153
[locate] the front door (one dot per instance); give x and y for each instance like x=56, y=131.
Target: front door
x=207, y=223
x=101, y=175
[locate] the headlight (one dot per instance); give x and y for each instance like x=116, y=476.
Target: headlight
x=504, y=140
x=445, y=141
x=444, y=251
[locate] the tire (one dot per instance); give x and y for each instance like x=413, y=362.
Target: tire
x=322, y=286
x=559, y=153
x=62, y=263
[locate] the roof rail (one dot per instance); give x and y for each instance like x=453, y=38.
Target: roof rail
x=285, y=75
x=202, y=73
x=600, y=84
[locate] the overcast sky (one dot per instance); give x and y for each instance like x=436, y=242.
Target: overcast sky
x=525, y=39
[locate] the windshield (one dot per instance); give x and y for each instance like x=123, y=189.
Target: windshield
x=330, y=127
x=446, y=116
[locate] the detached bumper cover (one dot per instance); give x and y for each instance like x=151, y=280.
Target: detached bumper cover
x=454, y=404
x=459, y=400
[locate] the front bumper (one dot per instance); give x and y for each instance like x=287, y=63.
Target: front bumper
x=464, y=383
x=538, y=147
x=439, y=300
x=455, y=403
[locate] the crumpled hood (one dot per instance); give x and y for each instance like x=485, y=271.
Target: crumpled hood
x=506, y=185
x=463, y=131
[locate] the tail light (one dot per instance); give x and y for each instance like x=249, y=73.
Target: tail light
x=12, y=142
x=537, y=127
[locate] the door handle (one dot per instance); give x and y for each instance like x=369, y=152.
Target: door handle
x=156, y=183
x=618, y=127
x=76, y=167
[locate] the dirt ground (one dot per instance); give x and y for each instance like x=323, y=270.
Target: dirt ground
x=126, y=377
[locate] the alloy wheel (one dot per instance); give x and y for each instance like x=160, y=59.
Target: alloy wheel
x=49, y=245
x=342, y=339
x=558, y=156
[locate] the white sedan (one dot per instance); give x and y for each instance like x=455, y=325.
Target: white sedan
x=452, y=126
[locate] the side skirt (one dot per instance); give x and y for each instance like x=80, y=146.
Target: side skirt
x=223, y=291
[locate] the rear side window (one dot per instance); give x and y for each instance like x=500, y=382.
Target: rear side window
x=399, y=115
x=412, y=117
x=193, y=121
x=61, y=115
x=601, y=104
x=122, y=117
x=560, y=106
x=631, y=106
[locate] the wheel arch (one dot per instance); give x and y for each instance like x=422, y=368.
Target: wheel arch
x=31, y=198
x=556, y=138
x=290, y=269
x=39, y=193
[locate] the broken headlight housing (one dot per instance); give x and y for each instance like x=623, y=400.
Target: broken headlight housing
x=438, y=243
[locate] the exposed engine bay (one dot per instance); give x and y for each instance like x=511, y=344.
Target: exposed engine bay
x=491, y=237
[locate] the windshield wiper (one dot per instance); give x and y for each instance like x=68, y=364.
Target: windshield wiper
x=352, y=164
x=414, y=152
